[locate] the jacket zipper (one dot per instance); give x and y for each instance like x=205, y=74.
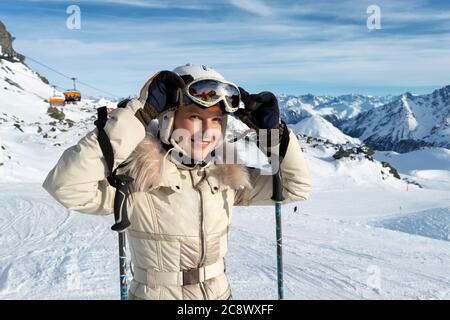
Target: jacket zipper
x=202, y=232
x=203, y=244
x=203, y=290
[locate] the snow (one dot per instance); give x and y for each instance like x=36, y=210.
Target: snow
x=434, y=223
x=425, y=158
x=329, y=257
x=411, y=121
x=341, y=107
x=317, y=127
x=22, y=93
x=428, y=166
x=363, y=234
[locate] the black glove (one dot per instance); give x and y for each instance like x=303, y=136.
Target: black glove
x=261, y=110
x=161, y=93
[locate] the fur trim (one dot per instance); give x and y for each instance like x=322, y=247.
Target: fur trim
x=135, y=104
x=144, y=166
x=233, y=175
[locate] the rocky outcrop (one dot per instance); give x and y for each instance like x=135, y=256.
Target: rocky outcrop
x=7, y=51
x=6, y=48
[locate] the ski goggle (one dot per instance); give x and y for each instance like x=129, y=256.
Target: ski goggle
x=208, y=92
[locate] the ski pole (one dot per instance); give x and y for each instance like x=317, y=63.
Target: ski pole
x=277, y=197
x=122, y=222
x=120, y=183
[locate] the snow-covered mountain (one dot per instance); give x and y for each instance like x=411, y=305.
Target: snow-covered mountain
x=334, y=109
x=350, y=105
x=317, y=127
x=321, y=116
x=400, y=123
x=407, y=123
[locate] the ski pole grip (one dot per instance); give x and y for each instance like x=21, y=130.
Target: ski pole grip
x=277, y=193
x=120, y=203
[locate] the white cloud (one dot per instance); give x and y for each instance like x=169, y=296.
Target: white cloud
x=253, y=6
x=156, y=4
x=255, y=50
x=160, y=4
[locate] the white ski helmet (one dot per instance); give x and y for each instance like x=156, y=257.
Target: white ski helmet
x=197, y=71
x=187, y=71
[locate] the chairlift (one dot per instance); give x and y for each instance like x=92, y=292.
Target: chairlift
x=72, y=96
x=57, y=100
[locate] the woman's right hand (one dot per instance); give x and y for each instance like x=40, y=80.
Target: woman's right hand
x=161, y=93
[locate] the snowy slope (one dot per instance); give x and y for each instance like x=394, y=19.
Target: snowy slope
x=27, y=148
x=317, y=127
x=428, y=166
x=22, y=92
x=28, y=133
x=422, y=159
x=51, y=253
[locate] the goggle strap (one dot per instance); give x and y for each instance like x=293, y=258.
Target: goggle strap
x=187, y=78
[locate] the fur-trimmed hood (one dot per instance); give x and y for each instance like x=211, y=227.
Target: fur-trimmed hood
x=150, y=167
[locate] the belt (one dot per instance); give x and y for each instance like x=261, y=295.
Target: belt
x=178, y=278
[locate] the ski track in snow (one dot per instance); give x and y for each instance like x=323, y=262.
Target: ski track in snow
x=433, y=223
x=333, y=261
x=51, y=253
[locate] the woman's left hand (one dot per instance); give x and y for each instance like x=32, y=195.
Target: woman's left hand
x=261, y=110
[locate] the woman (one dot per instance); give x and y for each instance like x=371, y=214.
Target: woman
x=181, y=203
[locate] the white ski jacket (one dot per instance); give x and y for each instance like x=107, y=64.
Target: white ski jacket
x=179, y=216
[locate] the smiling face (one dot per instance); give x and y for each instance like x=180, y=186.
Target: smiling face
x=198, y=130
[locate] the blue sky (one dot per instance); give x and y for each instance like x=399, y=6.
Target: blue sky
x=296, y=47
